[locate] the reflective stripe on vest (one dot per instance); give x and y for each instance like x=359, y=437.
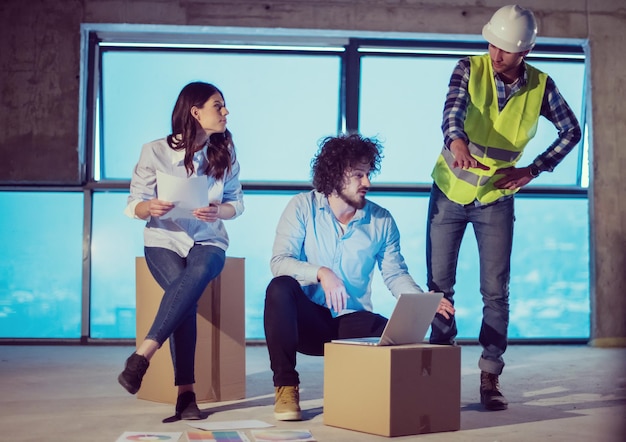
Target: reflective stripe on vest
x=497, y=138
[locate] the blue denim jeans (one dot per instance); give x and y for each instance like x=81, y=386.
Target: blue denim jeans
x=293, y=323
x=493, y=229
x=184, y=281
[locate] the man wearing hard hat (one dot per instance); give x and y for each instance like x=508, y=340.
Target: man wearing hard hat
x=491, y=112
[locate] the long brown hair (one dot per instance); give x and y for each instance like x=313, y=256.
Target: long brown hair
x=221, y=149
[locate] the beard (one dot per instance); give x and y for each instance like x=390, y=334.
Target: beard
x=357, y=201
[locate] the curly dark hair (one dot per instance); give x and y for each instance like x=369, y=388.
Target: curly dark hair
x=221, y=150
x=338, y=154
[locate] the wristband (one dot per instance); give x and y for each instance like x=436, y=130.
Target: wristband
x=534, y=171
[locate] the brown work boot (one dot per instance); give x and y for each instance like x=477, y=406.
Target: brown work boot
x=490, y=395
x=287, y=403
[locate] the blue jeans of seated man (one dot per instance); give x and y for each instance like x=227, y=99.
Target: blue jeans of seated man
x=493, y=229
x=293, y=323
x=184, y=281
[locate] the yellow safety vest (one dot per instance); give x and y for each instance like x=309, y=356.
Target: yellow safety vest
x=497, y=139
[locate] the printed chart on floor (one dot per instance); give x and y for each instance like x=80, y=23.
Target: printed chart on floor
x=151, y=436
x=229, y=425
x=271, y=435
x=216, y=436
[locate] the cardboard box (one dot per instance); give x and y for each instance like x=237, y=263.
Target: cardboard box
x=392, y=390
x=220, y=370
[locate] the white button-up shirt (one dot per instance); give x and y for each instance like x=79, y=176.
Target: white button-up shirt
x=180, y=234
x=309, y=236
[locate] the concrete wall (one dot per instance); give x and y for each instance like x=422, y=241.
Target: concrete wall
x=39, y=80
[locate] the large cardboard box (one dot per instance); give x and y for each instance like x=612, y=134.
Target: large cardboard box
x=220, y=349
x=392, y=390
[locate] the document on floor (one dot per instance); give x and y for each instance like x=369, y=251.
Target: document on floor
x=149, y=436
x=230, y=425
x=187, y=194
x=216, y=436
x=272, y=435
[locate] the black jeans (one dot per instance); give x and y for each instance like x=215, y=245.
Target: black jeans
x=293, y=323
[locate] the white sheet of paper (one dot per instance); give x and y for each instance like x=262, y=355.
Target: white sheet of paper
x=149, y=435
x=230, y=425
x=295, y=435
x=187, y=194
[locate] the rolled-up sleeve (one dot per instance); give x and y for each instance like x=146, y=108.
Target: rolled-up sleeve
x=233, y=193
x=393, y=267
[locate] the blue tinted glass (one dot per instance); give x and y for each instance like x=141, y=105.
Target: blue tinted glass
x=115, y=242
x=549, y=281
x=41, y=270
x=251, y=237
x=401, y=104
x=549, y=267
x=402, y=101
x=409, y=213
x=280, y=106
x=279, y=110
x=569, y=79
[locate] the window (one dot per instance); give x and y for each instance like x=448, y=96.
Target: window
x=115, y=240
x=549, y=267
x=286, y=90
x=402, y=103
x=280, y=105
x=42, y=265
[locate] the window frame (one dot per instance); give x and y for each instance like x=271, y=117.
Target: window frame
x=351, y=47
x=95, y=37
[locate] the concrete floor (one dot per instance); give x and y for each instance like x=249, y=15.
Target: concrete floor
x=70, y=393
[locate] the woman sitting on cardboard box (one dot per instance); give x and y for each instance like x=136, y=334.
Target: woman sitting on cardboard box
x=184, y=250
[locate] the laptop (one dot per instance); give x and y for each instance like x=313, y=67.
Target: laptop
x=409, y=321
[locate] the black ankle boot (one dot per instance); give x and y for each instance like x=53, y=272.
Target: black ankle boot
x=130, y=378
x=186, y=407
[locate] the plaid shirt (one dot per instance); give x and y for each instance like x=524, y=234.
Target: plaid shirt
x=554, y=108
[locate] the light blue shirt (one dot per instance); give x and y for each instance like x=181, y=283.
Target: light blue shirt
x=180, y=234
x=308, y=236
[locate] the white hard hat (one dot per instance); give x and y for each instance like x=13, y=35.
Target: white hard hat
x=512, y=29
